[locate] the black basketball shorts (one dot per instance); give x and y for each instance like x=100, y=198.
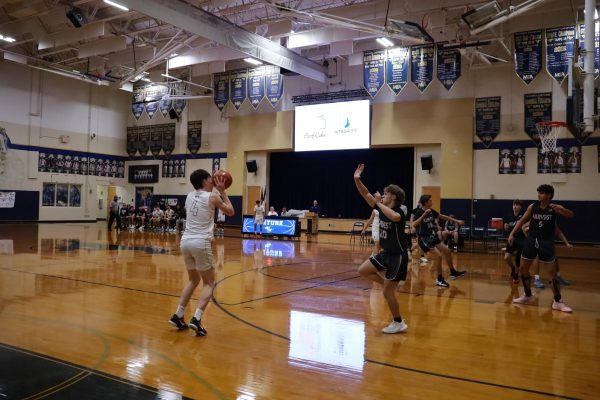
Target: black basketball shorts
x=427, y=243
x=394, y=264
x=543, y=249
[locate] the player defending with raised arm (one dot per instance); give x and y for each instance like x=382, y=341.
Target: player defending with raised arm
x=196, y=242
x=393, y=258
x=540, y=243
x=429, y=240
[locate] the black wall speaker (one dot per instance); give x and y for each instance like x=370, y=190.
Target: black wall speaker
x=77, y=18
x=251, y=166
x=427, y=163
x=173, y=114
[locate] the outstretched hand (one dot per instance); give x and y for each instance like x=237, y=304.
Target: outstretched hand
x=377, y=196
x=359, y=170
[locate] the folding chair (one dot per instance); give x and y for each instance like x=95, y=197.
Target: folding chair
x=357, y=228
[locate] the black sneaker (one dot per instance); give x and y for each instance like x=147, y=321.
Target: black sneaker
x=457, y=274
x=441, y=283
x=178, y=322
x=195, y=325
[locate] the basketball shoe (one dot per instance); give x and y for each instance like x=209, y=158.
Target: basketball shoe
x=395, y=327
x=178, y=322
x=195, y=325
x=560, y=306
x=524, y=299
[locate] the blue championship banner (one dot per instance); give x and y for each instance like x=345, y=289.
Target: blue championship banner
x=421, y=72
x=560, y=43
x=448, y=67
x=538, y=107
x=143, y=140
x=221, y=90
x=237, y=81
x=273, y=84
x=194, y=136
x=156, y=143
x=396, y=68
x=138, y=99
x=153, y=95
x=164, y=105
x=168, y=138
x=596, y=48
x=373, y=71
x=528, y=54
x=256, y=85
x=487, y=119
x=132, y=138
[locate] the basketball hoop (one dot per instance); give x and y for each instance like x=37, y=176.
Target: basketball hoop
x=549, y=132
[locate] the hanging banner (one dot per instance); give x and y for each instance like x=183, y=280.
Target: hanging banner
x=156, y=135
x=487, y=119
x=518, y=156
x=538, y=107
x=238, y=87
x=221, y=90
x=274, y=84
x=396, y=68
x=421, y=72
x=143, y=140
x=596, y=49
x=152, y=98
x=373, y=71
x=573, y=159
x=256, y=85
x=168, y=138
x=137, y=100
x=194, y=138
x=164, y=105
x=560, y=44
x=132, y=139
x=167, y=169
x=528, y=54
x=448, y=67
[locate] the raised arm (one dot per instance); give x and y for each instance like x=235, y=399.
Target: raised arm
x=362, y=189
x=448, y=218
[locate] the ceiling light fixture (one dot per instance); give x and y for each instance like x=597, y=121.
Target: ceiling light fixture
x=112, y=3
x=252, y=61
x=481, y=15
x=385, y=42
x=7, y=39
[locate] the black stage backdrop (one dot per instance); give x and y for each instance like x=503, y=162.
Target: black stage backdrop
x=296, y=179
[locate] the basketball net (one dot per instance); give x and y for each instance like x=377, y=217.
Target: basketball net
x=549, y=132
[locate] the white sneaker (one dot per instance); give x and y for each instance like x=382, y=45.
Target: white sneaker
x=395, y=327
x=424, y=260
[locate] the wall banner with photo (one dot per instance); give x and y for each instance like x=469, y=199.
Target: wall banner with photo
x=143, y=173
x=68, y=162
x=512, y=161
x=173, y=168
x=143, y=197
x=566, y=159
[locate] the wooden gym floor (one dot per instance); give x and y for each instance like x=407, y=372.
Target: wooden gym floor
x=84, y=315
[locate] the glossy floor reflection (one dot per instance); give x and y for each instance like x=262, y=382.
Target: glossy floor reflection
x=289, y=320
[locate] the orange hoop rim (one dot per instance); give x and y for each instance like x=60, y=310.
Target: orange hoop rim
x=551, y=124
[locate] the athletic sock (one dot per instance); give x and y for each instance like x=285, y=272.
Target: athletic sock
x=180, y=311
x=555, y=289
x=537, y=277
x=527, y=285
x=512, y=270
x=440, y=277
x=399, y=319
x=198, y=314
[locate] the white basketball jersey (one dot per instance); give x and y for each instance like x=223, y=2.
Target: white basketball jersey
x=200, y=216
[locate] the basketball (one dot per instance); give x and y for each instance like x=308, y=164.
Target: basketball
x=226, y=175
